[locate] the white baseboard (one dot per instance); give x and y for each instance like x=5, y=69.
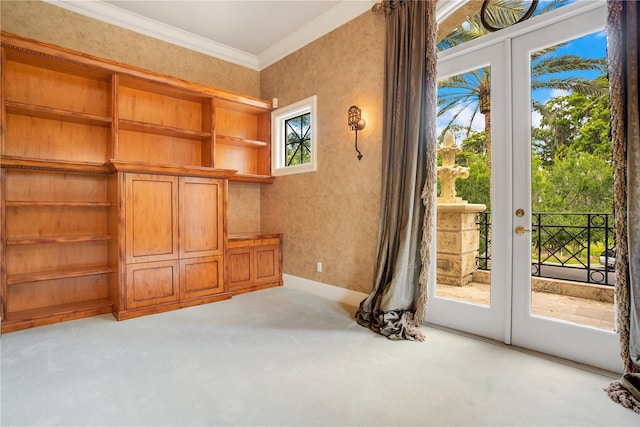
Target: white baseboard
x=324, y=290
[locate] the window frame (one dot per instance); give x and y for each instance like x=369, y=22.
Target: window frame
x=278, y=143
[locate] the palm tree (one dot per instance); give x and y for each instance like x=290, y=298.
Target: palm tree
x=470, y=91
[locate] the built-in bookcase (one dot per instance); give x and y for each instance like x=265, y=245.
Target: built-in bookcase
x=75, y=129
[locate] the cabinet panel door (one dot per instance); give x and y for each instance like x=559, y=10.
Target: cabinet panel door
x=151, y=216
x=201, y=277
x=201, y=217
x=152, y=283
x=240, y=267
x=267, y=263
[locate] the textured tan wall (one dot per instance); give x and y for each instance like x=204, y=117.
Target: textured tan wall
x=244, y=208
x=45, y=22
x=332, y=215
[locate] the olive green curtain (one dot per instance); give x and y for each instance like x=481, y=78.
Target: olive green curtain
x=396, y=306
x=623, y=41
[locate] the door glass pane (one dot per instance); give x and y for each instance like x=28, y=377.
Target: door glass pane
x=572, y=238
x=464, y=182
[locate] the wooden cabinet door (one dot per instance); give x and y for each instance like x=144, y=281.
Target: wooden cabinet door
x=240, y=267
x=201, y=217
x=201, y=277
x=151, y=217
x=267, y=263
x=152, y=283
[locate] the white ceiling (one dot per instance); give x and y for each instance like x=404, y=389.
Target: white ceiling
x=254, y=34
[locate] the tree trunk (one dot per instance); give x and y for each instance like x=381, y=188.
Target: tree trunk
x=487, y=130
x=485, y=108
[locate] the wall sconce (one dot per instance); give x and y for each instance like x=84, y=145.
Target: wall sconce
x=356, y=122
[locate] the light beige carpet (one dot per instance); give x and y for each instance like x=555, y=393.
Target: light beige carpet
x=283, y=357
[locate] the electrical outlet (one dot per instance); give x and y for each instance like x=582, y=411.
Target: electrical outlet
x=319, y=267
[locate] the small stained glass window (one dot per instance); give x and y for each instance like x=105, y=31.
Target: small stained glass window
x=294, y=138
x=298, y=140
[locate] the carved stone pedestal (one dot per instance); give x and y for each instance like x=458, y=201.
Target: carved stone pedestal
x=457, y=242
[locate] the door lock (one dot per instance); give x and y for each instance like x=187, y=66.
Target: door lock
x=520, y=230
x=520, y=212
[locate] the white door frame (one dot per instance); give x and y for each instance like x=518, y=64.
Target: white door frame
x=507, y=319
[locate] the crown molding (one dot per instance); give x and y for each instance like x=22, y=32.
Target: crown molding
x=328, y=21
x=338, y=15
x=149, y=27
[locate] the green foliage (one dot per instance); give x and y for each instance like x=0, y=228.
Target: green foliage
x=576, y=182
x=574, y=121
x=476, y=188
x=576, y=178
x=475, y=143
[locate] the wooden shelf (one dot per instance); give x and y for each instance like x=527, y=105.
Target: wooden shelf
x=258, y=179
x=56, y=114
x=29, y=203
x=17, y=320
x=139, y=167
x=60, y=309
x=41, y=276
x=56, y=239
x=136, y=126
x=243, y=104
x=253, y=236
x=53, y=165
x=241, y=142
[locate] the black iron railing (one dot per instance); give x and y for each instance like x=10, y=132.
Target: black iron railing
x=569, y=246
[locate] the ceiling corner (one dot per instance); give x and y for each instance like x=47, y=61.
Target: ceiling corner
x=113, y=15
x=335, y=17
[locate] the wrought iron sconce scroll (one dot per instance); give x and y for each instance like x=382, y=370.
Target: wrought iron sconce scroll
x=356, y=123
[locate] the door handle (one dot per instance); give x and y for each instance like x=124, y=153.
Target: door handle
x=520, y=230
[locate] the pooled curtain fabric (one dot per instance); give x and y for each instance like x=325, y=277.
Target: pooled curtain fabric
x=396, y=306
x=623, y=41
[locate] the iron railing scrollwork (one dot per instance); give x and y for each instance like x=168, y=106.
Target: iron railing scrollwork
x=563, y=246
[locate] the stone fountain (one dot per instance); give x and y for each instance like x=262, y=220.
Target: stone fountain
x=458, y=237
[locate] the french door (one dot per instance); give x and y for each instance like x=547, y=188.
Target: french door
x=500, y=302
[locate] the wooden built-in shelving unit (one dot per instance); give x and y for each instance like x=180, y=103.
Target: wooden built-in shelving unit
x=113, y=185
